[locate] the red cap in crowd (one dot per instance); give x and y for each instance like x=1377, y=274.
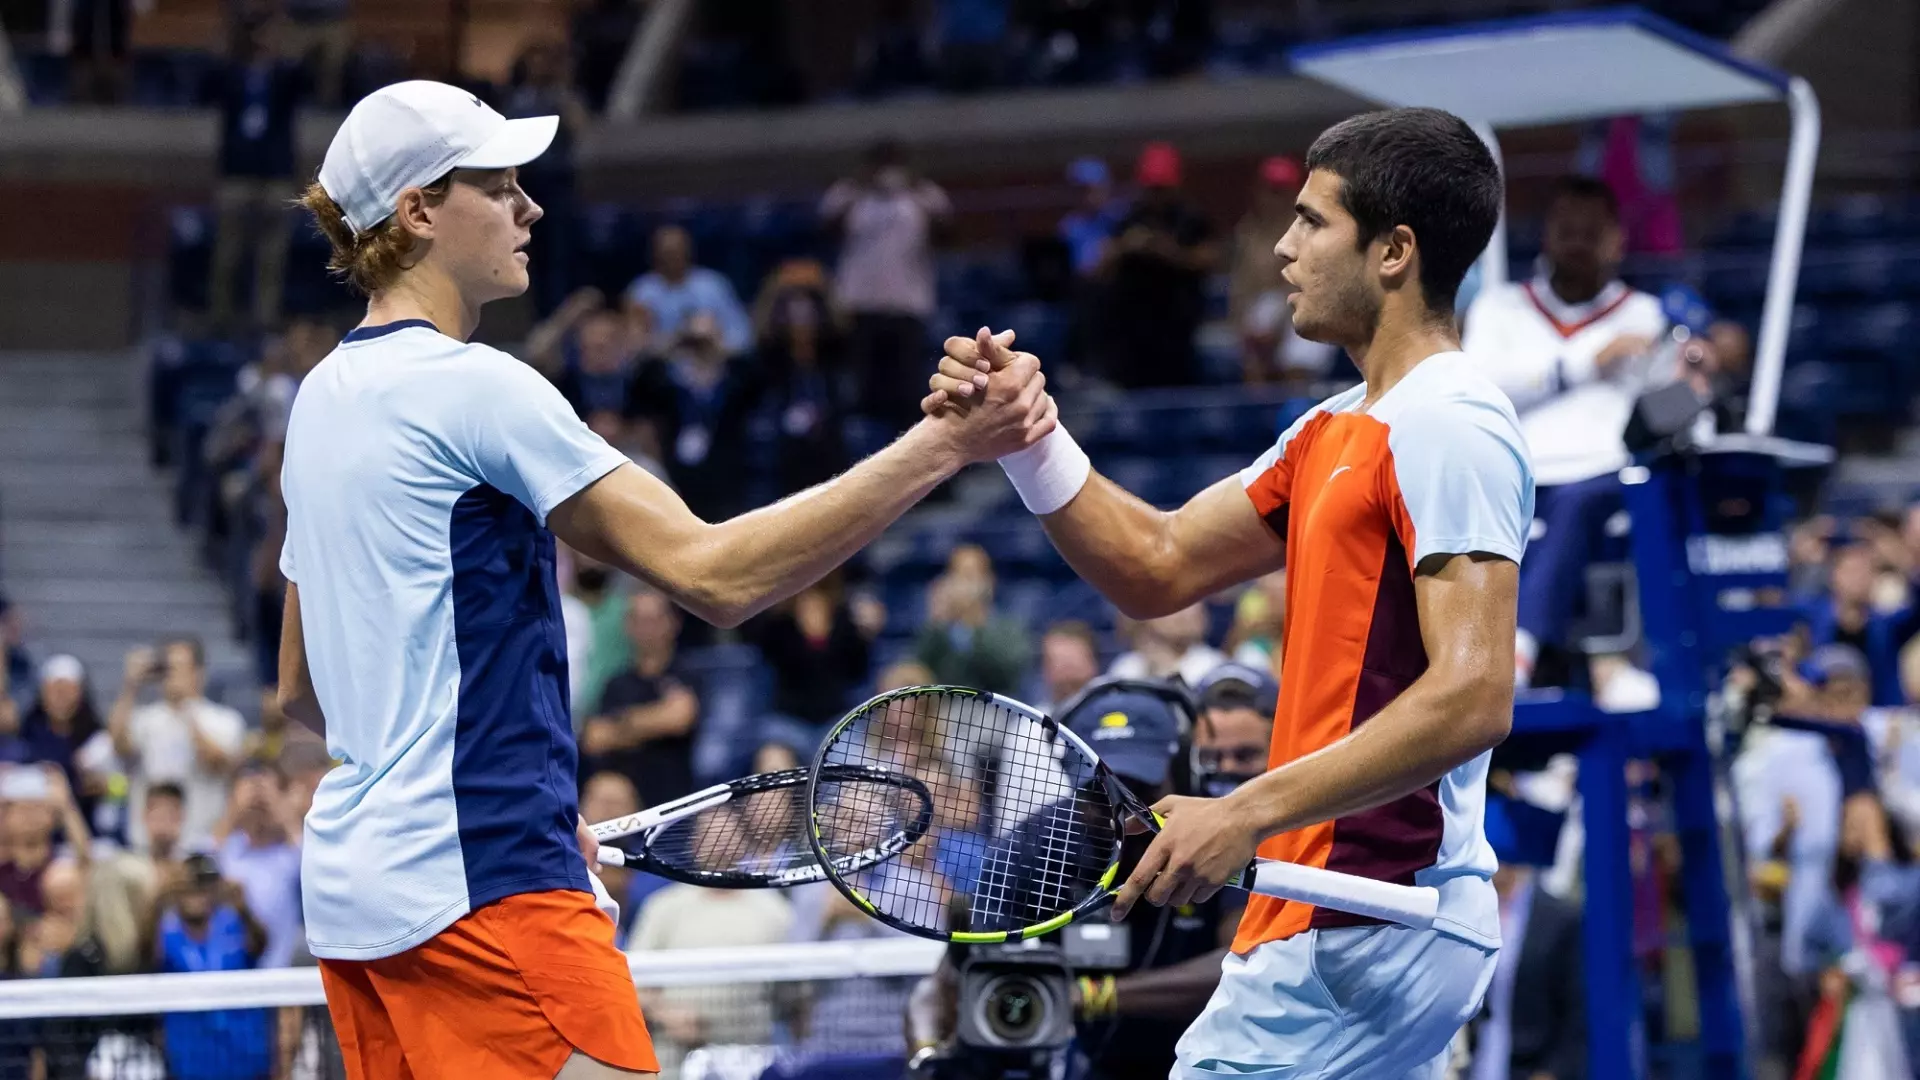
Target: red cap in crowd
x=1280, y=171
x=1159, y=166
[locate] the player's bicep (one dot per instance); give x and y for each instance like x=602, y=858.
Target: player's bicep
x=1222, y=539
x=629, y=518
x=1467, y=606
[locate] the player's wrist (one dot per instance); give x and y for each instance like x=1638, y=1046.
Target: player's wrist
x=937, y=441
x=1049, y=473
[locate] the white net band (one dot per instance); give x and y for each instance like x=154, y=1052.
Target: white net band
x=142, y=995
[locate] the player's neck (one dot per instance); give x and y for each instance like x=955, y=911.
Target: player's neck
x=423, y=294
x=1397, y=347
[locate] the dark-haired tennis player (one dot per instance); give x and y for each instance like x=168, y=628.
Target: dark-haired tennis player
x=444, y=885
x=1401, y=509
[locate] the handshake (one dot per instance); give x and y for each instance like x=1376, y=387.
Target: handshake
x=989, y=400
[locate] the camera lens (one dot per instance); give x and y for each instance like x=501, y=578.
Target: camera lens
x=1016, y=1009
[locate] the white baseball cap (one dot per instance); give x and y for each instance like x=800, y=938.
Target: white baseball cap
x=413, y=133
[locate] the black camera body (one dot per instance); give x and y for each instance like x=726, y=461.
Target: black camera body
x=1015, y=1003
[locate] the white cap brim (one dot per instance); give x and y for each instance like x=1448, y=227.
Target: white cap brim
x=516, y=143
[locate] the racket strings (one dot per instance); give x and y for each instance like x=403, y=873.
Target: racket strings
x=759, y=834
x=1023, y=832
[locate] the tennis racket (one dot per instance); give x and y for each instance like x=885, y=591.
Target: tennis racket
x=751, y=833
x=1028, y=824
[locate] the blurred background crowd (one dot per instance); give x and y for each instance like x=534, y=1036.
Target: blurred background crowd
x=748, y=343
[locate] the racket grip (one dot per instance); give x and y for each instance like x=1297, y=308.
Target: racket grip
x=1408, y=905
x=612, y=856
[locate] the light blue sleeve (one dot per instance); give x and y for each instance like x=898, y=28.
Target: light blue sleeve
x=522, y=438
x=1464, y=477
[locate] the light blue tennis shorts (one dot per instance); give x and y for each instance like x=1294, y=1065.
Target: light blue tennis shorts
x=1359, y=1003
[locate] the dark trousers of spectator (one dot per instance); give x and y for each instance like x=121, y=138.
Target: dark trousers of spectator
x=889, y=362
x=323, y=45
x=1570, y=523
x=269, y=610
x=99, y=28
x=253, y=212
x=1145, y=350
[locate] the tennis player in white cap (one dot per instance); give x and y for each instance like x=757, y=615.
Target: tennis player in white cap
x=445, y=874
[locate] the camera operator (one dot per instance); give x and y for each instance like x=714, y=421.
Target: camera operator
x=1128, y=1021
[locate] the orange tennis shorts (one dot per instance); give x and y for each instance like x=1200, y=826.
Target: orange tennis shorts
x=509, y=992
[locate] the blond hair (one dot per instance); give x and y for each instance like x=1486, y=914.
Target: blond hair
x=369, y=261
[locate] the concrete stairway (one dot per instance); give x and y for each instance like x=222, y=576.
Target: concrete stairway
x=89, y=552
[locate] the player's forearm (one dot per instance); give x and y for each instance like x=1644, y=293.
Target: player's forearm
x=1175, y=992
x=1122, y=546
x=747, y=564
x=1442, y=721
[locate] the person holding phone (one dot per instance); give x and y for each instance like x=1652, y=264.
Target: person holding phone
x=182, y=738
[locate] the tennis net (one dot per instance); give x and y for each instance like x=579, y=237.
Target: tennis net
x=715, y=1014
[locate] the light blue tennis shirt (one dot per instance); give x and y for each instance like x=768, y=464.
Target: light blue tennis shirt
x=419, y=473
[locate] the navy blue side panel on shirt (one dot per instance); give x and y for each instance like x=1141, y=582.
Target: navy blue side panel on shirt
x=514, y=759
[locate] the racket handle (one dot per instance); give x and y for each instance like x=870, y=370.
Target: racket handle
x=612, y=856
x=1408, y=905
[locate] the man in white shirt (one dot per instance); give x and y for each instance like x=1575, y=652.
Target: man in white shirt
x=1572, y=347
x=182, y=739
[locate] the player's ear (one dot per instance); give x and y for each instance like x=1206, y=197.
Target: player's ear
x=414, y=212
x=1397, y=255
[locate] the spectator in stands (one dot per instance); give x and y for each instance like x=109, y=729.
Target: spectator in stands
x=683, y=916
x=600, y=35
x=38, y=806
x=1867, y=929
x=319, y=34
x=800, y=350
x=1233, y=731
x=964, y=642
x=1847, y=616
x=647, y=716
x=893, y=53
x=589, y=350
x=604, y=797
x=1570, y=347
x=1069, y=660
x=163, y=846
x=1155, y=270
x=1258, y=618
x=1089, y=226
x=818, y=648
x=1270, y=352
x=258, y=95
x=183, y=738
x=542, y=85
x=675, y=290
x=258, y=847
x=203, y=924
x=1072, y=38
x=700, y=400
x=1171, y=645
x=888, y=219
x=594, y=583
x=1254, y=271
x=13, y=650
x=95, y=36
x=1534, y=1021
x=59, y=723
x=60, y=720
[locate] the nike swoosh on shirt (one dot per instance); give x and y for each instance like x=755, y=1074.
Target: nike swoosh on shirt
x=1337, y=472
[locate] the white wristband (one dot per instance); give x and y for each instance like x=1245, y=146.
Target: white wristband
x=1049, y=473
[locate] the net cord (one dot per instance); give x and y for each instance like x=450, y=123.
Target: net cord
x=145, y=995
